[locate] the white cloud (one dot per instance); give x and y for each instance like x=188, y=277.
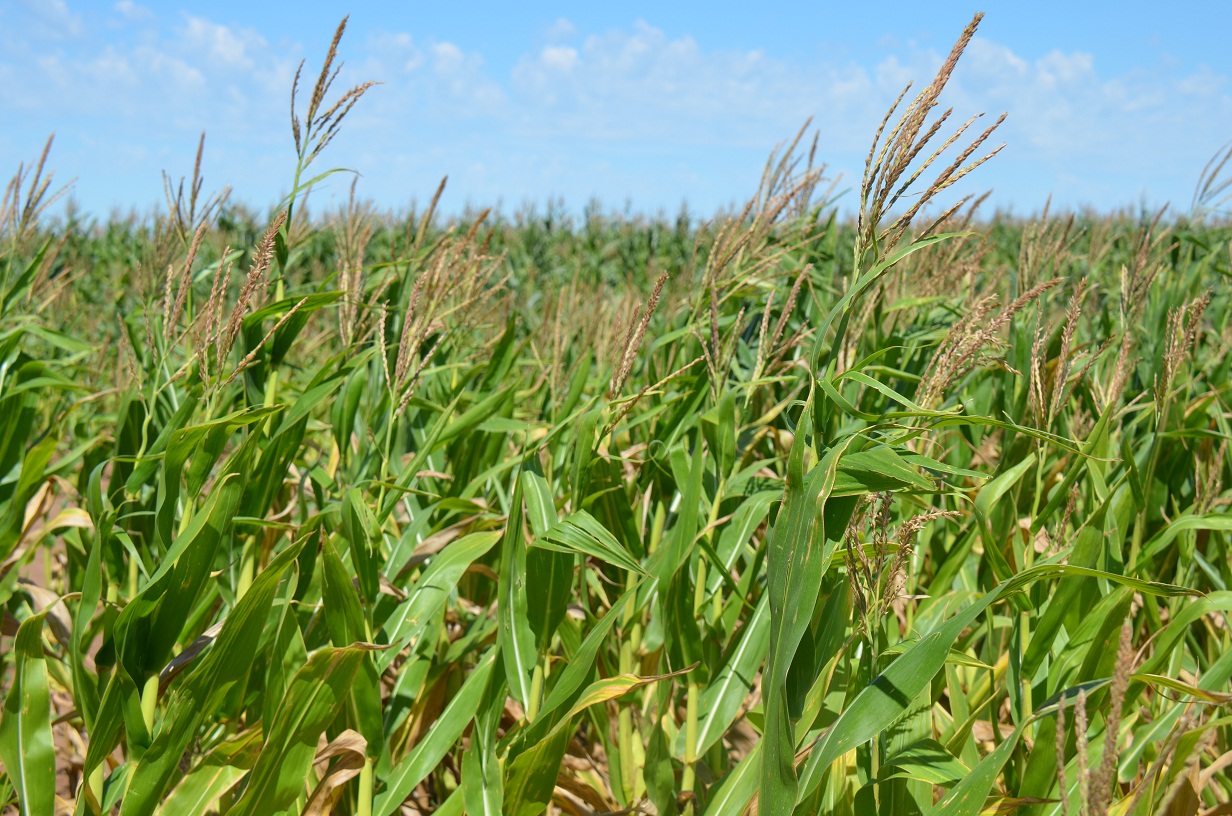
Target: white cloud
x=562, y=29
x=53, y=19
x=642, y=84
x=223, y=45
x=433, y=80
x=560, y=57
x=131, y=11
x=390, y=54
x=449, y=57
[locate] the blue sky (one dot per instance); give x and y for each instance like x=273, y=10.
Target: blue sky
x=641, y=105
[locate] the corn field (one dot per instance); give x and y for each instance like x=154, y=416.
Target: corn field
x=916, y=512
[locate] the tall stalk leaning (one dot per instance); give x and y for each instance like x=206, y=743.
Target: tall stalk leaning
x=893, y=167
x=312, y=134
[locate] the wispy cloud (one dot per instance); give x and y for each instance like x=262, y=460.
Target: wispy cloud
x=52, y=19
x=131, y=11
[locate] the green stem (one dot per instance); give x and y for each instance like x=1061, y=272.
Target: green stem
x=132, y=578
x=248, y=567
x=536, y=692
x=364, y=807
x=687, y=781
x=699, y=589
x=625, y=721
x=149, y=699
x=656, y=527
x=96, y=779
x=625, y=735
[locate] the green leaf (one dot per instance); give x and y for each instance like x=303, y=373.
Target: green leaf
x=531, y=777
x=431, y=591
x=889, y=695
x=875, y=470
x=85, y=684
x=25, y=730
x=738, y=787
x=1160, y=541
x=316, y=696
x=722, y=699
x=801, y=545
x=203, y=443
x=23, y=281
x=842, y=309
x=543, y=740
x=481, y=772
x=360, y=529
x=515, y=637
x=473, y=416
x=198, y=792
x=229, y=659
x=968, y=796
x=989, y=495
x=347, y=624
x=678, y=543
x=149, y=626
x=33, y=473
x=719, y=426
x=552, y=571
x=581, y=533
x=583, y=662
x=440, y=738
x=926, y=759
x=343, y=613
